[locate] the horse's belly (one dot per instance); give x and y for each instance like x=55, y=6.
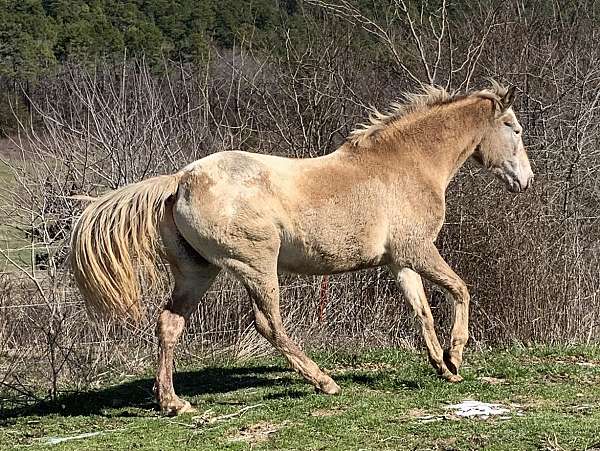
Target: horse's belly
x=315, y=258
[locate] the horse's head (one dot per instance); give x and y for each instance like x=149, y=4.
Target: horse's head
x=501, y=149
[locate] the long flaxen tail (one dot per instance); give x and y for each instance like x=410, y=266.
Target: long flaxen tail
x=117, y=234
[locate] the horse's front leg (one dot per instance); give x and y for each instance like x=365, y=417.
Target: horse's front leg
x=264, y=293
x=432, y=266
x=412, y=289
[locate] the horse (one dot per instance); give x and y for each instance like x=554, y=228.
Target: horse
x=379, y=199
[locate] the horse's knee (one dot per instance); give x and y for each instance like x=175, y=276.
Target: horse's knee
x=460, y=338
x=407, y=277
x=461, y=293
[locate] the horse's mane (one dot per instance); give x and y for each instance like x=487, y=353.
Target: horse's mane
x=430, y=96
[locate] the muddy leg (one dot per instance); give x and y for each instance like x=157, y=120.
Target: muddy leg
x=412, y=288
x=193, y=276
x=171, y=322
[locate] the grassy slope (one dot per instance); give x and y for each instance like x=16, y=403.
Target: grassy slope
x=385, y=393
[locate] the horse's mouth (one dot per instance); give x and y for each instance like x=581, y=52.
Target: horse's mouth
x=514, y=187
x=510, y=179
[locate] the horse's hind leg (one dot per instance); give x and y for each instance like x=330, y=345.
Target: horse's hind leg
x=193, y=276
x=190, y=286
x=412, y=288
x=263, y=288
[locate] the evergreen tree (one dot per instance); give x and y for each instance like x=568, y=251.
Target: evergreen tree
x=27, y=39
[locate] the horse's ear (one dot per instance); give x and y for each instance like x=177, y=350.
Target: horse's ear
x=508, y=99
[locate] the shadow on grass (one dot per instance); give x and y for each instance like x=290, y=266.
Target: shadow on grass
x=125, y=400
x=122, y=400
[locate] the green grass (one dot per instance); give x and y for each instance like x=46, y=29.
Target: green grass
x=12, y=241
x=384, y=395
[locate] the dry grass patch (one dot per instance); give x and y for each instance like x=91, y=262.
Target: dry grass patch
x=256, y=433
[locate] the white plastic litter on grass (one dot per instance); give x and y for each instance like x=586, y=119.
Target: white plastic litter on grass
x=478, y=409
x=57, y=440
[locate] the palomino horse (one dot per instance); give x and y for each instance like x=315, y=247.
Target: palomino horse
x=377, y=200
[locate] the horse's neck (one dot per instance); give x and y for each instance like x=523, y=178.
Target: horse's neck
x=438, y=144
x=457, y=155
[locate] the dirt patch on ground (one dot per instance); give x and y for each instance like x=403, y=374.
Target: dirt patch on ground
x=417, y=413
x=256, y=433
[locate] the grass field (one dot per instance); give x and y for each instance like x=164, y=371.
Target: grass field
x=12, y=241
x=391, y=400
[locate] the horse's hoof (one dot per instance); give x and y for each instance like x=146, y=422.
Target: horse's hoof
x=453, y=378
x=177, y=408
x=329, y=387
x=452, y=364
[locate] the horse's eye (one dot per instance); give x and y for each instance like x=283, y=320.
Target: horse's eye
x=508, y=124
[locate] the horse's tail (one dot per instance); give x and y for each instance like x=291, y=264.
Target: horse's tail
x=116, y=234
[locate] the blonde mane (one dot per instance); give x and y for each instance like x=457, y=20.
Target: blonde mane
x=411, y=103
